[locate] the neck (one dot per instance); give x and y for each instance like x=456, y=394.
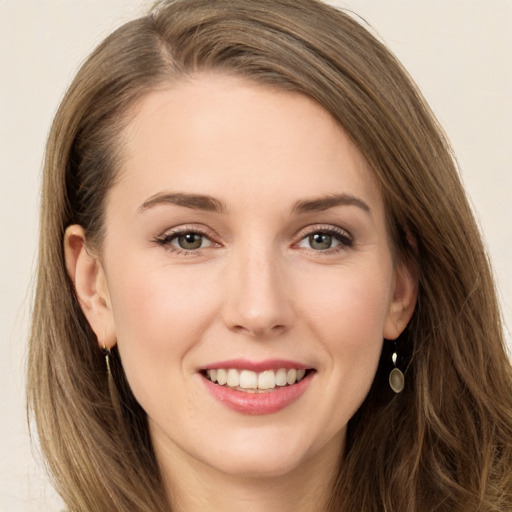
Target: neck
x=195, y=487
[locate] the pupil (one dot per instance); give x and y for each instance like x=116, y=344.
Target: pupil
x=320, y=241
x=190, y=241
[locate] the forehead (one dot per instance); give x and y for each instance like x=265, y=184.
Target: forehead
x=223, y=136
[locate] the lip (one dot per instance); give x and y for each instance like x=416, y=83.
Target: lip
x=266, y=402
x=256, y=366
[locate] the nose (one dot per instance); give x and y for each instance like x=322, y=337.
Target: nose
x=258, y=295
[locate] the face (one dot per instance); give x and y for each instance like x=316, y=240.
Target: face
x=245, y=242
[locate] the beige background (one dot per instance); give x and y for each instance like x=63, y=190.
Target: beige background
x=459, y=52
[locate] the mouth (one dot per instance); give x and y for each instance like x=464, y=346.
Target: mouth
x=257, y=387
x=250, y=381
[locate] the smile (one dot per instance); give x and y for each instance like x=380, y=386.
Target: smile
x=254, y=382
x=257, y=388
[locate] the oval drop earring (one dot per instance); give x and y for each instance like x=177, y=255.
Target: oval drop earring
x=396, y=377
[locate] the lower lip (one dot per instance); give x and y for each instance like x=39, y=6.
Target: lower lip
x=259, y=403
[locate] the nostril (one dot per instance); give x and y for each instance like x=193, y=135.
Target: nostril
x=257, y=330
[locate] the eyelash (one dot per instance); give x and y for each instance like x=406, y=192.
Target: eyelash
x=343, y=238
x=167, y=238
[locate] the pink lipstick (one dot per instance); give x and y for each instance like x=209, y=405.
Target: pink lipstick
x=257, y=388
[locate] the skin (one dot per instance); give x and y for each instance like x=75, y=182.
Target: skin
x=258, y=288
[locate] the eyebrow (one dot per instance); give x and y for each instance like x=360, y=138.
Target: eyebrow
x=324, y=203
x=193, y=201
x=211, y=204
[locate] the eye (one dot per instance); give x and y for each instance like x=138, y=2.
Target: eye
x=184, y=241
x=319, y=241
x=325, y=240
x=190, y=241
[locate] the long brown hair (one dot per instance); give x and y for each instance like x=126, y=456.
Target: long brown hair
x=445, y=442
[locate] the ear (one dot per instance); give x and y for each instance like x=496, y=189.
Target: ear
x=403, y=300
x=90, y=283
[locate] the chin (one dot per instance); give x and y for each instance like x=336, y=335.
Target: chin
x=257, y=465
x=264, y=454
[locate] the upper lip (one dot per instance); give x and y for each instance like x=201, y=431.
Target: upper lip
x=256, y=366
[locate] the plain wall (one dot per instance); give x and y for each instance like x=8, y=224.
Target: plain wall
x=458, y=51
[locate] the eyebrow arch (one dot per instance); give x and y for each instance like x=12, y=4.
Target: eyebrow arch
x=193, y=201
x=324, y=203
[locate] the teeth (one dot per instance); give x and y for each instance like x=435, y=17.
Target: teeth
x=233, y=379
x=291, y=376
x=281, y=377
x=222, y=377
x=267, y=380
x=247, y=379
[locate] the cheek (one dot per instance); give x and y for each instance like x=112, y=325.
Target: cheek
x=348, y=314
x=167, y=303
x=353, y=301
x=159, y=316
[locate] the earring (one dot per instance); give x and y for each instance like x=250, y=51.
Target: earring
x=396, y=377
x=107, y=354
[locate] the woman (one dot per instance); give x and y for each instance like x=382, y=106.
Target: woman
x=260, y=283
